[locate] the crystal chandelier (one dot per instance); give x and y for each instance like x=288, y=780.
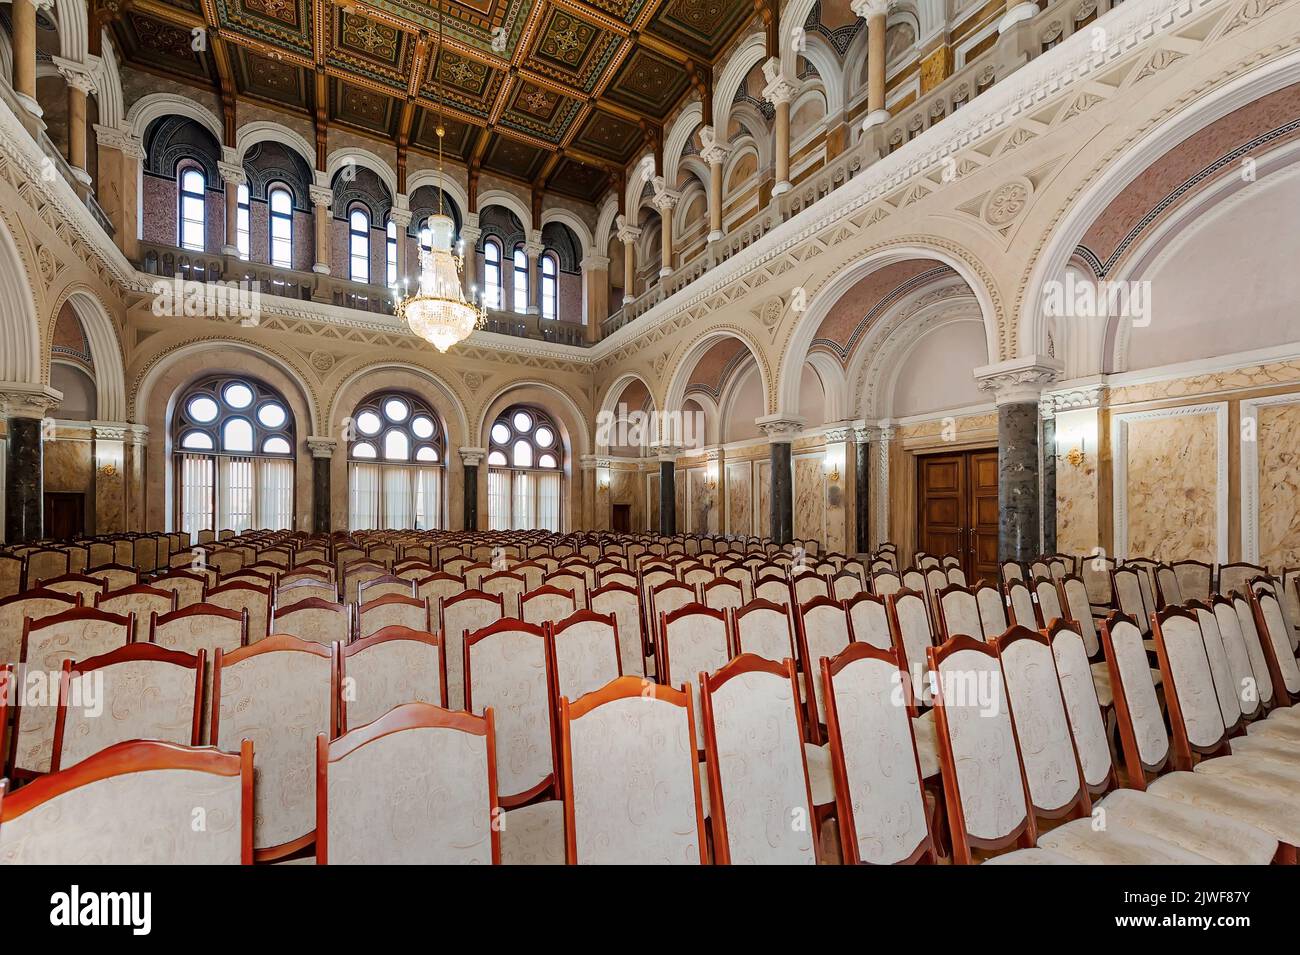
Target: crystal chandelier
x=439, y=312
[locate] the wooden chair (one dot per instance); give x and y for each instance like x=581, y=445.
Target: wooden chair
x=1236, y=577
x=320, y=621
x=76, y=585
x=612, y=741
x=76, y=634
x=807, y=585
x=691, y=640
x=585, y=654
x=244, y=598
x=282, y=726
x=467, y=612
x=31, y=604
x=147, y=693
x=822, y=630
x=44, y=563
x=115, y=576
x=385, y=585
x=959, y=613
x=1169, y=591
x=846, y=585
x=438, y=586
x=386, y=669
x=415, y=787
x=187, y=586
x=879, y=789
x=764, y=629
x=1073, y=598
x=141, y=600
x=1279, y=655
x=722, y=594
x=758, y=781
x=869, y=620
x=1048, y=596
x=1024, y=609
x=509, y=586
x=992, y=604
x=392, y=610
x=1095, y=571
x=305, y=587
x=623, y=603
x=1195, y=579
x=133, y=804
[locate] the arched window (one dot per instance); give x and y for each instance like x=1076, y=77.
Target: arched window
x=525, y=476
x=193, y=217
x=233, y=444
x=550, y=287
x=359, y=245
x=390, y=252
x=242, y=220
x=281, y=227
x=521, y=280
x=492, y=274
x=396, y=454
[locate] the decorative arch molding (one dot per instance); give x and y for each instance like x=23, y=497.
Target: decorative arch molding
x=712, y=416
x=250, y=134
x=1111, y=172
x=832, y=81
x=760, y=133
x=695, y=189
x=873, y=376
x=112, y=103
x=572, y=418
x=834, y=385
x=691, y=116
x=749, y=52
x=145, y=379
x=450, y=186
x=20, y=358
x=609, y=403
x=105, y=348
x=157, y=105
x=574, y=223
x=441, y=396
x=605, y=224
x=727, y=400
x=689, y=355
x=638, y=175
x=742, y=147
x=357, y=156
x=507, y=200
x=798, y=338
x=74, y=30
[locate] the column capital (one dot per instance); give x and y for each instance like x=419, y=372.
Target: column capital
x=46, y=5
x=109, y=430
x=232, y=173
x=321, y=447
x=870, y=8
x=533, y=246
x=626, y=233
x=667, y=452
x=79, y=76
x=469, y=234
x=594, y=262
x=471, y=457
x=838, y=434
x=589, y=462
x=321, y=196
x=664, y=198
x=714, y=151
x=121, y=140
x=779, y=428
x=1082, y=395
x=780, y=89
x=400, y=217
x=21, y=400
x=1018, y=380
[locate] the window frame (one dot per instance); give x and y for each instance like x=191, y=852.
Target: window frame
x=354, y=236
x=274, y=216
x=493, y=293
x=390, y=253
x=244, y=221
x=519, y=280
x=550, y=286
x=182, y=194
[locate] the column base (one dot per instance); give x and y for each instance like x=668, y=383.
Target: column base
x=781, y=187
x=1018, y=13
x=879, y=116
x=230, y=250
x=664, y=273
x=628, y=299
x=715, y=236
x=320, y=268
x=534, y=310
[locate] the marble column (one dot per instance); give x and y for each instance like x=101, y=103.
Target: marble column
x=862, y=491
x=628, y=235
x=780, y=91
x=668, y=493
x=322, y=460
x=80, y=83
x=880, y=481
x=591, y=507
x=715, y=154
x=118, y=189
x=533, y=251
x=1016, y=385
x=595, y=293
x=1017, y=12
x=1047, y=486
x=110, y=477
x=875, y=13
x=26, y=408
x=401, y=219
x=665, y=201
x=470, y=459
x=232, y=174
x=781, y=431
x=23, y=17
x=322, y=199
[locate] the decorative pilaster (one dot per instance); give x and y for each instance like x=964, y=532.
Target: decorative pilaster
x=110, y=476
x=400, y=216
x=667, y=489
x=593, y=500
x=665, y=201
x=120, y=156
x=875, y=13
x=780, y=90
x=322, y=456
x=1016, y=386
x=233, y=175
x=322, y=199
x=533, y=250
x=628, y=234
x=781, y=431
x=470, y=459
x=884, y=447
x=26, y=407
x=1047, y=468
x=862, y=490
x=595, y=293
x=715, y=154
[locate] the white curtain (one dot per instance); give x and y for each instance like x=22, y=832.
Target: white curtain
x=365, y=496
x=498, y=500
x=235, y=494
x=428, y=499
x=548, y=501
x=196, y=494
x=398, y=497
x=523, y=502
x=274, y=493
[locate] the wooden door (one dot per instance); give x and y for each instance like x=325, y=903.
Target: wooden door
x=621, y=518
x=957, y=510
x=65, y=515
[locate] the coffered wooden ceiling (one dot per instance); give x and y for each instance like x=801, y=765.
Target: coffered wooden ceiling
x=556, y=93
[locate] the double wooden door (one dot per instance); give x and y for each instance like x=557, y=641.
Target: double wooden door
x=957, y=512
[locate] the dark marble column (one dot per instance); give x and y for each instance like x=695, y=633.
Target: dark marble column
x=667, y=497
x=24, y=481
x=782, y=495
x=1018, y=481
x=1048, y=453
x=862, y=496
x=320, y=495
x=471, y=496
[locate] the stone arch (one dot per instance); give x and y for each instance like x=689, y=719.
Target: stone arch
x=20, y=358
x=105, y=349
x=685, y=365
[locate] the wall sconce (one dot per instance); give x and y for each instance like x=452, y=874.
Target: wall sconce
x=602, y=479
x=832, y=466
x=1072, y=442
x=108, y=469
x=711, y=480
